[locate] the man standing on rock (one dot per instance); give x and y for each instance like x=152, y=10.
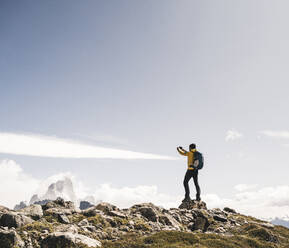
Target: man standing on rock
x=195, y=162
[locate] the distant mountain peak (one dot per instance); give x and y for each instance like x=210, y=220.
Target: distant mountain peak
x=62, y=188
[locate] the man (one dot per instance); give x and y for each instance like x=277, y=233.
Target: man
x=192, y=171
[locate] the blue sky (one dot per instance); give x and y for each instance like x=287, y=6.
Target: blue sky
x=147, y=76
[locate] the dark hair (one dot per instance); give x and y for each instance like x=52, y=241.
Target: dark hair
x=192, y=146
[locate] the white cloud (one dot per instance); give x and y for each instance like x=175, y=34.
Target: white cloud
x=264, y=203
x=243, y=187
x=127, y=196
x=232, y=135
x=276, y=134
x=45, y=146
x=15, y=185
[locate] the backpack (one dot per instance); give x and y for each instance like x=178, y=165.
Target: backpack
x=198, y=160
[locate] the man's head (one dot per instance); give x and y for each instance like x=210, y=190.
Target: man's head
x=192, y=146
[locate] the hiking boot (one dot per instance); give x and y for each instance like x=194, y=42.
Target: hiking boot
x=187, y=199
x=198, y=199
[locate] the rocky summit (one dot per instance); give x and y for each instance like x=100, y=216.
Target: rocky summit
x=59, y=224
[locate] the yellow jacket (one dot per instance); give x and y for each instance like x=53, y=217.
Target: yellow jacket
x=190, y=156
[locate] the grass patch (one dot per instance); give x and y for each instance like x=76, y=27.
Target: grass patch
x=139, y=224
x=38, y=227
x=98, y=220
x=177, y=239
x=50, y=218
x=76, y=218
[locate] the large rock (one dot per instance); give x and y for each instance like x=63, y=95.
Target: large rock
x=57, y=211
x=192, y=204
x=68, y=240
x=220, y=218
x=91, y=212
x=147, y=210
x=168, y=220
x=85, y=205
x=33, y=211
x=106, y=207
x=230, y=210
x=59, y=207
x=201, y=223
x=62, y=218
x=59, y=203
x=3, y=210
x=202, y=220
x=12, y=219
x=9, y=238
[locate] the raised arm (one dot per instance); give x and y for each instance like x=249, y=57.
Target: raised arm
x=182, y=151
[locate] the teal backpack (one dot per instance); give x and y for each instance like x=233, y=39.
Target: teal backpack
x=199, y=157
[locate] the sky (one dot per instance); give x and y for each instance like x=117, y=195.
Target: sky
x=106, y=90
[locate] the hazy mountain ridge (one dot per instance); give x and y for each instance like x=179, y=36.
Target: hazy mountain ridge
x=61, y=188
x=281, y=221
x=60, y=224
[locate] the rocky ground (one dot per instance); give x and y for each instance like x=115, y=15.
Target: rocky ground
x=60, y=224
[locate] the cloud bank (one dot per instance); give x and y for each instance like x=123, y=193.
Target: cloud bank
x=15, y=184
x=45, y=146
x=264, y=203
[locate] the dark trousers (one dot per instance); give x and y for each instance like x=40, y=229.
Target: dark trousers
x=192, y=174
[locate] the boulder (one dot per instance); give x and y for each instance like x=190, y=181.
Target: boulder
x=33, y=211
x=116, y=213
x=56, y=211
x=229, y=210
x=220, y=218
x=59, y=203
x=149, y=213
x=201, y=223
x=68, y=240
x=3, y=209
x=91, y=211
x=85, y=205
x=12, y=219
x=193, y=204
x=9, y=238
x=106, y=207
x=62, y=218
x=201, y=220
x=147, y=210
x=168, y=220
